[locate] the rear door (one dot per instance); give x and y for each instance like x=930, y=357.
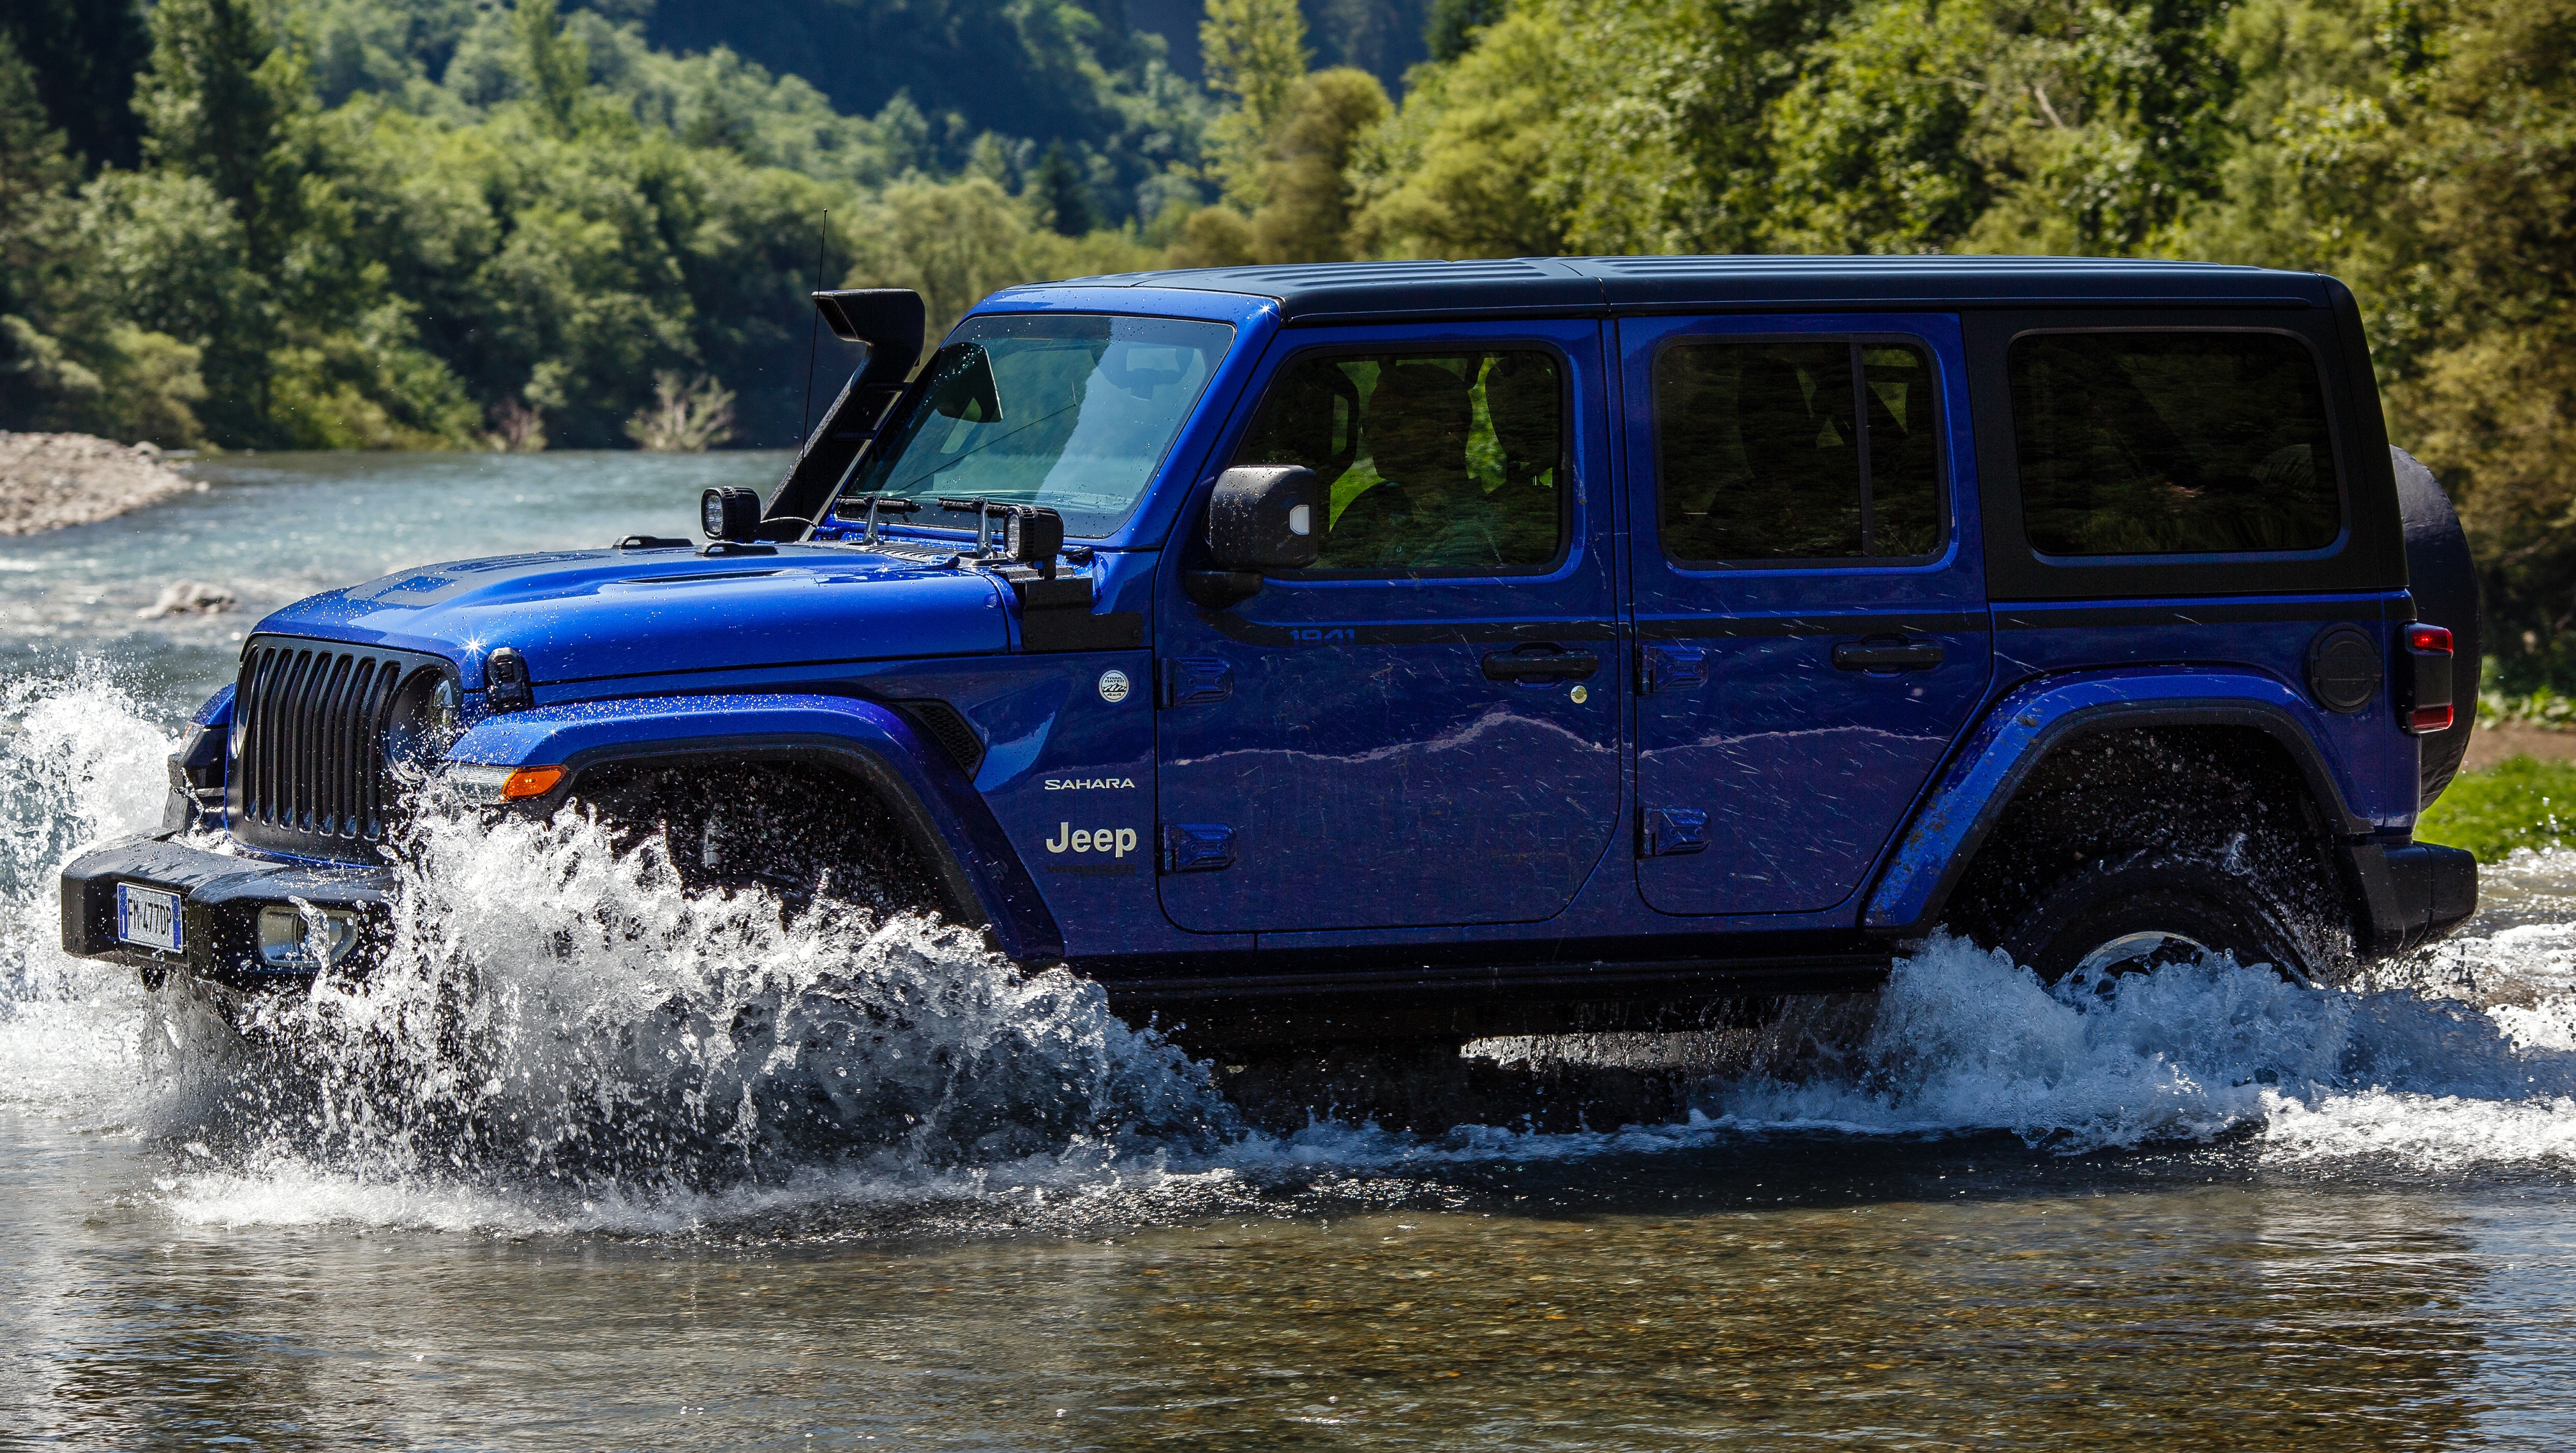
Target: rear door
x=1811, y=621
x=1423, y=729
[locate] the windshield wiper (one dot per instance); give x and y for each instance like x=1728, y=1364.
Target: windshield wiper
x=891, y=504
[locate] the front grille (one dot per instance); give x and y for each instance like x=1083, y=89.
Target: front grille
x=315, y=722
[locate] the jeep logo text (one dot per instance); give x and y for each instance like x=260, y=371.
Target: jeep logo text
x=1116, y=842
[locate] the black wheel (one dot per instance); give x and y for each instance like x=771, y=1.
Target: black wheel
x=2130, y=850
x=2151, y=911
x=800, y=833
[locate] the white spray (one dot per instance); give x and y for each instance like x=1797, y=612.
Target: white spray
x=560, y=1035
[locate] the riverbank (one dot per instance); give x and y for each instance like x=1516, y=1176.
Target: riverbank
x=2496, y=742
x=48, y=481
x=2524, y=801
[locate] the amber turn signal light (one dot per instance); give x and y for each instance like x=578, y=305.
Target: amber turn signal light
x=530, y=782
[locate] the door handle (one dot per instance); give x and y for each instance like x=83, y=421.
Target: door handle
x=1541, y=663
x=1887, y=653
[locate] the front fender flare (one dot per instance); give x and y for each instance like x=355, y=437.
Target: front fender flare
x=938, y=808
x=2028, y=723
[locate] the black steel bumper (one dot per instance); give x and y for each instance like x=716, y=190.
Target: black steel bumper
x=2414, y=893
x=219, y=902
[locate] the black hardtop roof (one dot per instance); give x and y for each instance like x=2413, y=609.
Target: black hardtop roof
x=1329, y=291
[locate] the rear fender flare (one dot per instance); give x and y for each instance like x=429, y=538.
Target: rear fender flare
x=940, y=811
x=2020, y=731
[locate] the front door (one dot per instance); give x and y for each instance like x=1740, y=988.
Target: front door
x=1812, y=630
x=1424, y=728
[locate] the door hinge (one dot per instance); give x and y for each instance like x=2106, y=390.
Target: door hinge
x=1670, y=668
x=1196, y=680
x=1197, y=847
x=1667, y=831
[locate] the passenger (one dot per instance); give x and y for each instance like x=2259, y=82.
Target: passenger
x=1427, y=509
x=1521, y=398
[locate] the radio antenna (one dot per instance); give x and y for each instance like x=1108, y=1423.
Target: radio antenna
x=813, y=331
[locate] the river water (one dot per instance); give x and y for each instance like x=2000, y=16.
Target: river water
x=592, y=1164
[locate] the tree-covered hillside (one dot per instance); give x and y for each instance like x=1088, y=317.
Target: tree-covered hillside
x=373, y=223
x=367, y=223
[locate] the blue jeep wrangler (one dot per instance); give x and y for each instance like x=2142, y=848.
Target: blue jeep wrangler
x=1413, y=651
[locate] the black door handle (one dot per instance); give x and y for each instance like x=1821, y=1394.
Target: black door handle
x=1887, y=653
x=1541, y=663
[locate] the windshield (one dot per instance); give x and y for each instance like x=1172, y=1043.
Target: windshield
x=1068, y=410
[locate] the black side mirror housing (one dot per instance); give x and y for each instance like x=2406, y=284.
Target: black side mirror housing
x=1266, y=517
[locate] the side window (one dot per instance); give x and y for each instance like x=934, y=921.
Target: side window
x=1796, y=449
x=1433, y=461
x=2171, y=443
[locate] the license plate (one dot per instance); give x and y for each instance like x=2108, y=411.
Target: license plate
x=147, y=916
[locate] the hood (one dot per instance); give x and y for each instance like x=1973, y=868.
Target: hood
x=583, y=614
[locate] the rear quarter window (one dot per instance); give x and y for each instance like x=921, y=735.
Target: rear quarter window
x=2137, y=443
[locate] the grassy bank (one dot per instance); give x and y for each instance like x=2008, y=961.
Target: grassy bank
x=2518, y=803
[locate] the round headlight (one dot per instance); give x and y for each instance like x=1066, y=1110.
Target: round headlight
x=423, y=723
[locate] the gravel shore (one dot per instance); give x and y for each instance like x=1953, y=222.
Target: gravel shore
x=48, y=481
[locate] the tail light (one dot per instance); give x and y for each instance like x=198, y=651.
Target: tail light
x=2429, y=706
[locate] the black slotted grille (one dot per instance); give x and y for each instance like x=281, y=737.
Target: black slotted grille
x=315, y=722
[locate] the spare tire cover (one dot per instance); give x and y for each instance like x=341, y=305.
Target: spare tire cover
x=2444, y=581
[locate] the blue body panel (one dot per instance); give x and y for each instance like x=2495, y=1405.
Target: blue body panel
x=1802, y=771
x=217, y=709
x=2376, y=765
x=1060, y=758
x=1347, y=735
x=2018, y=731
x=1382, y=794
x=585, y=614
x=641, y=727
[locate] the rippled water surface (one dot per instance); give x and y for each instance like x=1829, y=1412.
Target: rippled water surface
x=595, y=1164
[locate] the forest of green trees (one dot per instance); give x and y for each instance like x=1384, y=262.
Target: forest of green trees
x=488, y=223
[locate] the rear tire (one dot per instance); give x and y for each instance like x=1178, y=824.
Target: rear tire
x=2151, y=911
x=2200, y=835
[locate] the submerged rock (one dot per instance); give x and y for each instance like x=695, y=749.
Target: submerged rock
x=189, y=597
x=48, y=481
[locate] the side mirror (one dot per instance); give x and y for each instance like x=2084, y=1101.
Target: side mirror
x=1266, y=517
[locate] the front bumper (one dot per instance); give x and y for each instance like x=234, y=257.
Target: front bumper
x=220, y=897
x=2414, y=893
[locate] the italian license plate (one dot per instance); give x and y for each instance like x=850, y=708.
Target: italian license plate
x=147, y=916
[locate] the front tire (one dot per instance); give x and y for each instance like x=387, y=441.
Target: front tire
x=800, y=833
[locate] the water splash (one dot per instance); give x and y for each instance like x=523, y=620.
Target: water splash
x=554, y=1016
x=1964, y=1041
x=78, y=762
x=561, y=1037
